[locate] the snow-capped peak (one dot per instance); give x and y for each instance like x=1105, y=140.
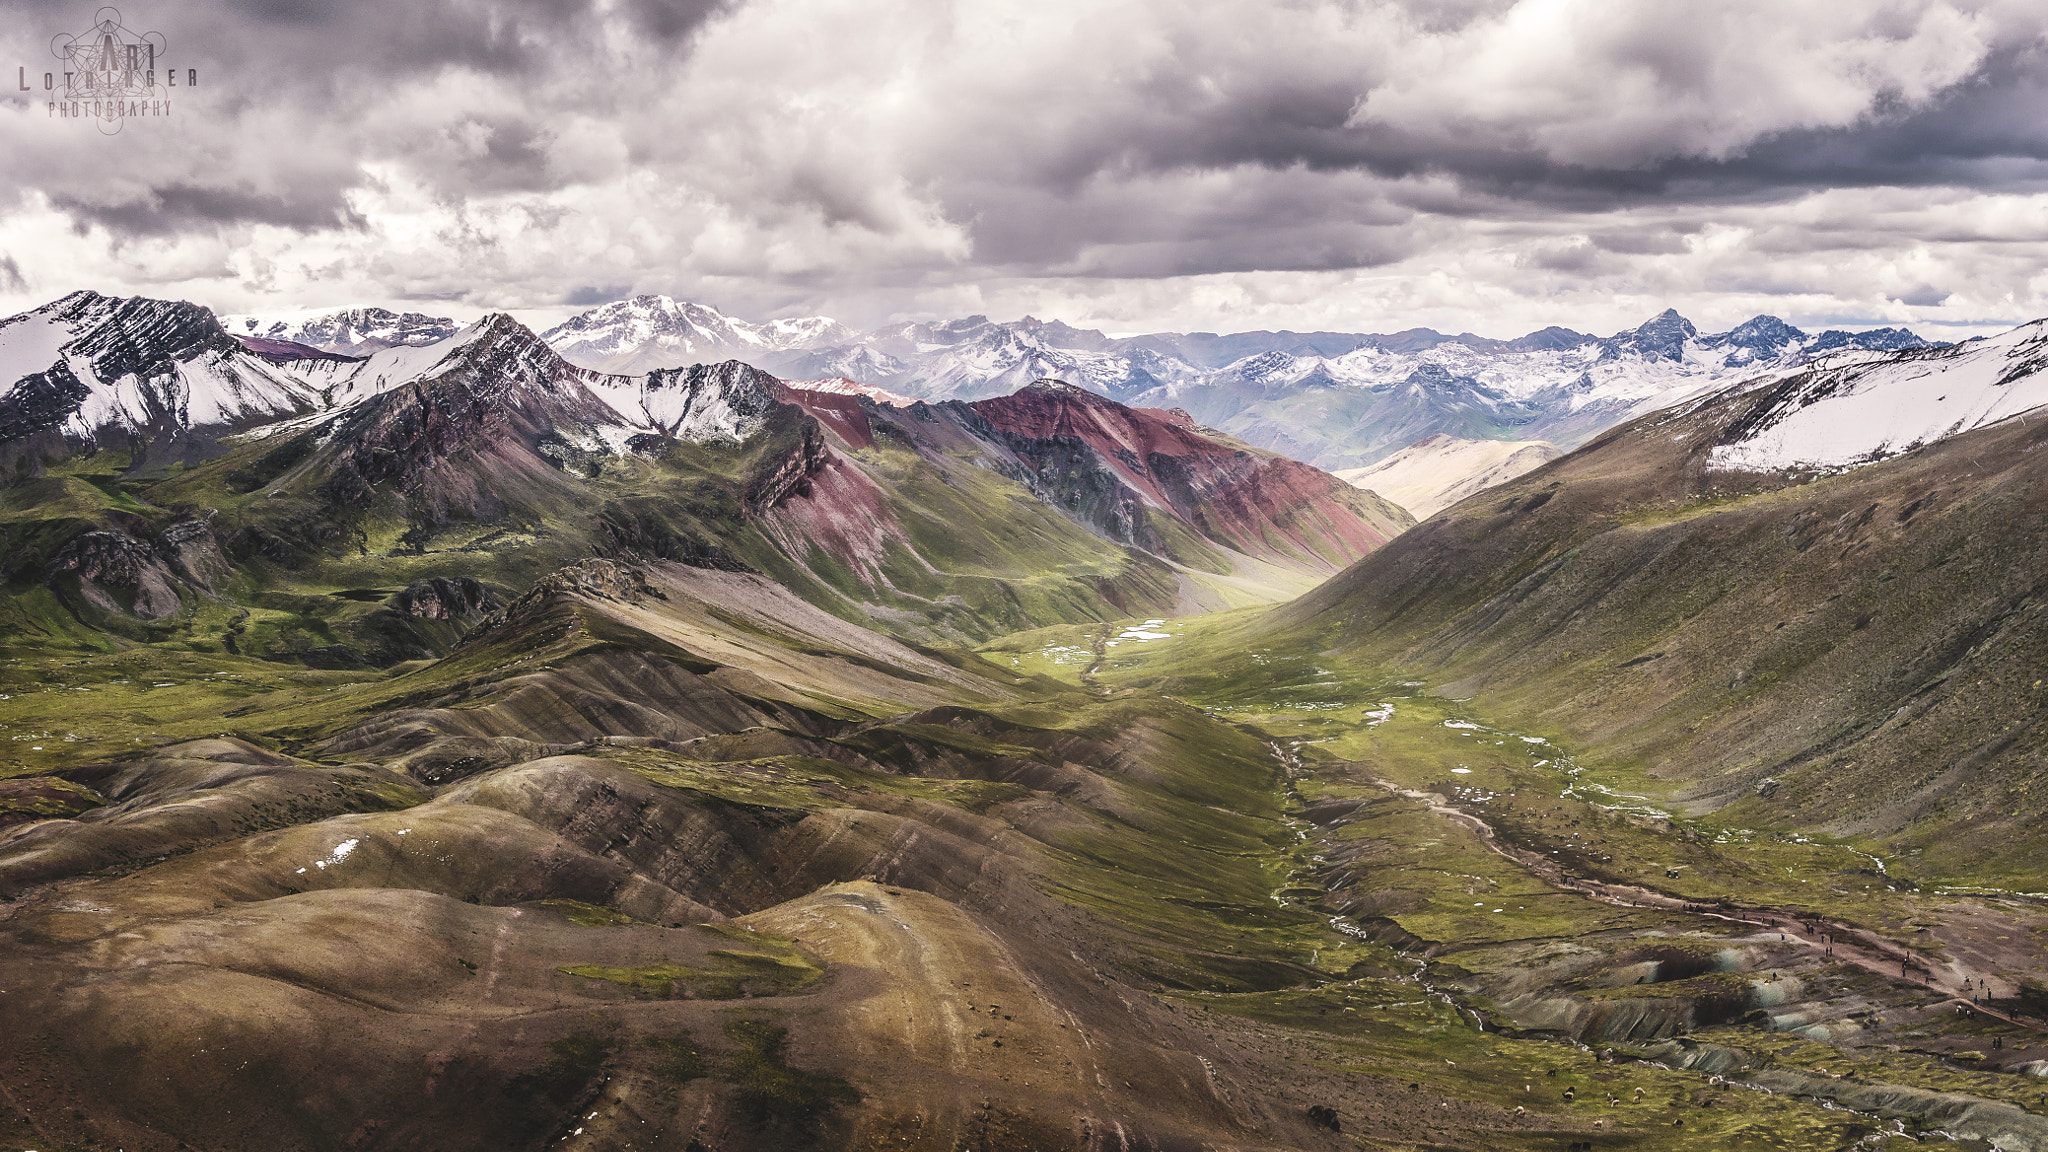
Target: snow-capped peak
x=1860, y=406
x=351, y=331
x=648, y=332
x=89, y=362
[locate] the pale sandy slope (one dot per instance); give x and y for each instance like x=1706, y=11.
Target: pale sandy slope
x=1431, y=475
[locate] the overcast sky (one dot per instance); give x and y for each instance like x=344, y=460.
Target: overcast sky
x=1133, y=165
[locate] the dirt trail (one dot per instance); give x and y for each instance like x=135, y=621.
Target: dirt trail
x=1843, y=942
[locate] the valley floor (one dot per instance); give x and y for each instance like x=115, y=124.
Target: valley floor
x=1731, y=975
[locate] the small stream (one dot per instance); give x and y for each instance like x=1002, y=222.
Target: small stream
x=1891, y=1128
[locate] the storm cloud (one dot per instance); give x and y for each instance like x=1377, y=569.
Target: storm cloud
x=1483, y=165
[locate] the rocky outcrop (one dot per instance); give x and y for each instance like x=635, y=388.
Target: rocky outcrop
x=118, y=573
x=787, y=474
x=459, y=598
x=193, y=553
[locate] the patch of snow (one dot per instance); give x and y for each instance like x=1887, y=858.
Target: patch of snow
x=29, y=344
x=841, y=386
x=341, y=852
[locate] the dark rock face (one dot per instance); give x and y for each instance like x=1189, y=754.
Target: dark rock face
x=193, y=553
x=158, y=377
x=459, y=598
x=500, y=408
x=1876, y=339
x=138, y=336
x=1760, y=338
x=119, y=573
x=790, y=475
x=1662, y=337
x=40, y=403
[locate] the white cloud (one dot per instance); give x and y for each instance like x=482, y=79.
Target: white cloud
x=1134, y=164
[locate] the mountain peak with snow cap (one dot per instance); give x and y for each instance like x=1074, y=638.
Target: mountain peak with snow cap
x=87, y=363
x=1862, y=405
x=1661, y=337
x=652, y=331
x=353, y=331
x=1048, y=386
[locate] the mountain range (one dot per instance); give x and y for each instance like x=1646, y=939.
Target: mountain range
x=485, y=455
x=1335, y=400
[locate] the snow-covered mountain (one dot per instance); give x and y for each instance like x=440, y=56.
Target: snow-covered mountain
x=1357, y=407
x=975, y=358
x=88, y=365
x=1853, y=408
x=1333, y=399
x=723, y=401
x=650, y=332
x=140, y=371
x=352, y=332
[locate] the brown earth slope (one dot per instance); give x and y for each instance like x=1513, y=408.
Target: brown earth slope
x=661, y=857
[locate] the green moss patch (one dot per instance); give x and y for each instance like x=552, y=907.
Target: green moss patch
x=588, y=915
x=767, y=966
